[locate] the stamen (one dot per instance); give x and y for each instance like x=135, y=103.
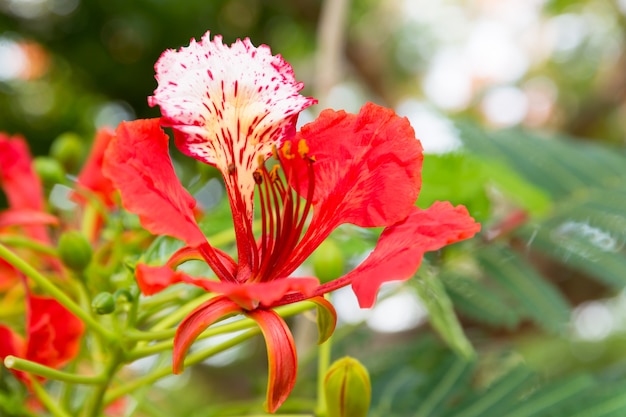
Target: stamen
x=286, y=151
x=283, y=214
x=303, y=148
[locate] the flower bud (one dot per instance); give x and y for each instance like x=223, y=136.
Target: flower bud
x=49, y=170
x=67, y=148
x=74, y=250
x=103, y=303
x=347, y=389
x=328, y=261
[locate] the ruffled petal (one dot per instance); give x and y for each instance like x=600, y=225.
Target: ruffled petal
x=367, y=172
x=138, y=163
x=195, y=323
x=281, y=357
x=228, y=105
x=399, y=251
x=367, y=166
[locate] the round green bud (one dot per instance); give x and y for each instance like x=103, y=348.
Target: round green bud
x=74, y=250
x=328, y=262
x=347, y=388
x=67, y=148
x=49, y=170
x=103, y=303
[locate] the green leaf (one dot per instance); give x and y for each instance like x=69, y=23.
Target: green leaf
x=551, y=395
x=496, y=400
x=477, y=300
x=540, y=300
x=445, y=385
x=441, y=312
x=455, y=177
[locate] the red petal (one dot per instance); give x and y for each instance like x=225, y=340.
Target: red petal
x=281, y=357
x=91, y=176
x=263, y=294
x=16, y=176
x=138, y=163
x=152, y=279
x=399, y=251
x=12, y=344
x=21, y=217
x=54, y=334
x=197, y=322
x=367, y=166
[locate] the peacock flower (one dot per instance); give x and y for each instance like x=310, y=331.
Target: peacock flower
x=235, y=107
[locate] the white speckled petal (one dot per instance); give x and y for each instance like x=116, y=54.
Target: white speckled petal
x=228, y=104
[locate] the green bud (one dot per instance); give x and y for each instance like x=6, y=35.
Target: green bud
x=49, y=170
x=74, y=250
x=328, y=262
x=347, y=388
x=67, y=148
x=103, y=303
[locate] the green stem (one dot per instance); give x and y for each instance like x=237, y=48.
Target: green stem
x=181, y=312
x=46, y=400
x=18, y=364
x=323, y=363
x=54, y=291
x=191, y=359
x=24, y=242
x=95, y=402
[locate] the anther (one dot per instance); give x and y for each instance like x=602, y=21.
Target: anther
x=286, y=151
x=232, y=168
x=258, y=177
x=274, y=173
x=303, y=148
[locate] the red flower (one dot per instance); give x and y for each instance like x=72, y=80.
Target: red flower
x=25, y=198
x=91, y=177
x=22, y=188
x=53, y=335
x=234, y=107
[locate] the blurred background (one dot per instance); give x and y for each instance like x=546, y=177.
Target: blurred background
x=521, y=106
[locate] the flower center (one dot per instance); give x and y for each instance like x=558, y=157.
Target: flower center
x=283, y=213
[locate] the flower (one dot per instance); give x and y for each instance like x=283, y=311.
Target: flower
x=25, y=208
x=235, y=108
x=90, y=179
x=53, y=335
x=17, y=175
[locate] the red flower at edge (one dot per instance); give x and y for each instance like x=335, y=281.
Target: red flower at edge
x=235, y=108
x=52, y=335
x=23, y=189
